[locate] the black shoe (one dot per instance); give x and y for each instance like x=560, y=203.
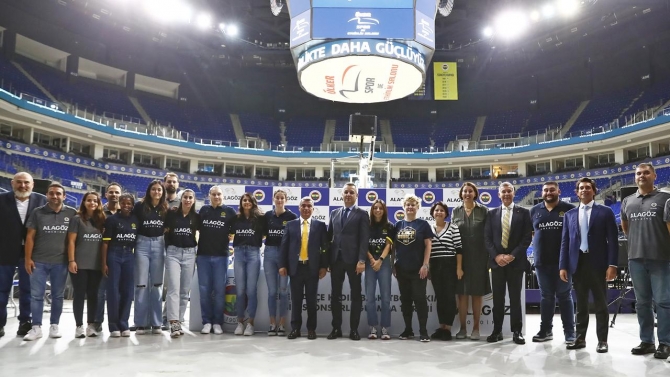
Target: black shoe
x=577, y=344
x=602, y=347
x=663, y=351
x=132, y=328
x=24, y=327
x=2, y=332
x=643, y=349
x=496, y=336
x=543, y=336
x=518, y=338
x=311, y=334
x=446, y=335
x=98, y=328
x=294, y=334
x=353, y=335
x=437, y=334
x=423, y=337
x=336, y=333
x=407, y=334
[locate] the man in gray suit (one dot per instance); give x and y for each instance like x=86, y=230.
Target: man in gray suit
x=348, y=232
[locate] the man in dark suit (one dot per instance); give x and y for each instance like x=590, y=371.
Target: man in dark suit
x=303, y=258
x=589, y=252
x=507, y=235
x=349, y=233
x=15, y=208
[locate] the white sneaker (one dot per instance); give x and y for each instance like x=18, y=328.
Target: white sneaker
x=206, y=329
x=239, y=330
x=156, y=330
x=385, y=334
x=115, y=334
x=218, y=330
x=373, y=333
x=125, y=333
x=80, y=332
x=34, y=333
x=140, y=331
x=249, y=331
x=54, y=332
x=90, y=331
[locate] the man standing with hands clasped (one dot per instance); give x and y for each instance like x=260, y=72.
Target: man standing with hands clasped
x=348, y=233
x=589, y=252
x=303, y=258
x=645, y=218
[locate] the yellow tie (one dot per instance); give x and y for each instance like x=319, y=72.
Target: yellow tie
x=303, y=242
x=505, y=229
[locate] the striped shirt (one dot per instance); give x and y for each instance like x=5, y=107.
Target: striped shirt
x=447, y=243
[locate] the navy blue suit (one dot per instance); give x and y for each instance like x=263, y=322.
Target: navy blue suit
x=12, y=237
x=511, y=275
x=304, y=276
x=589, y=269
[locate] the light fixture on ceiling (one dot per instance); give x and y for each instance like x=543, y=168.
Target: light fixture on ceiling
x=276, y=6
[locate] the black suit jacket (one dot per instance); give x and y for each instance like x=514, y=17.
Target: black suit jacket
x=12, y=230
x=351, y=238
x=317, y=244
x=520, y=236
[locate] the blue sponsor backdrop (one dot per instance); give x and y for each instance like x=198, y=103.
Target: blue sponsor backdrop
x=362, y=23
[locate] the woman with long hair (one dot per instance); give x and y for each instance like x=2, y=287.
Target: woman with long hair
x=180, y=227
x=248, y=229
x=276, y=220
x=84, y=241
x=446, y=245
x=412, y=254
x=472, y=267
x=118, y=246
x=150, y=259
x=378, y=270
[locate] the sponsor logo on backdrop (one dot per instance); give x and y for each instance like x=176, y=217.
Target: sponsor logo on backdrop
x=371, y=196
x=259, y=195
x=318, y=215
x=365, y=24
x=485, y=198
x=399, y=215
x=315, y=195
x=428, y=197
x=229, y=314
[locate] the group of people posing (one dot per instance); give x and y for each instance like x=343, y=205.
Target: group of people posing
x=128, y=246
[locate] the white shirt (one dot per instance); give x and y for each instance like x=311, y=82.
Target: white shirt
x=588, y=212
x=22, y=206
x=511, y=212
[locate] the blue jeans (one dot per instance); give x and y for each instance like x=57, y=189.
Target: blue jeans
x=57, y=275
x=372, y=278
x=149, y=268
x=121, y=266
x=247, y=269
x=651, y=280
x=212, y=273
x=179, y=266
x=552, y=288
x=6, y=281
x=102, y=296
x=275, y=281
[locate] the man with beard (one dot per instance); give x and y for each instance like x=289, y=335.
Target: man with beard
x=171, y=187
x=547, y=220
x=15, y=209
x=645, y=218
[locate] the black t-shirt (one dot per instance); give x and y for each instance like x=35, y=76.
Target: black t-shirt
x=150, y=223
x=410, y=244
x=275, y=226
x=248, y=232
x=548, y=228
x=181, y=229
x=379, y=234
x=214, y=230
x=121, y=230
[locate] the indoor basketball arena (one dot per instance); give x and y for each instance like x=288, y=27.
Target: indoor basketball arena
x=331, y=187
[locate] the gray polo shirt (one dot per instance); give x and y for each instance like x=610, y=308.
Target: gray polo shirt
x=50, y=233
x=87, y=251
x=647, y=230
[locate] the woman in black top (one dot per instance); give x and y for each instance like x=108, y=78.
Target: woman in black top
x=118, y=245
x=248, y=229
x=180, y=227
x=84, y=240
x=378, y=270
x=150, y=259
x=276, y=221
